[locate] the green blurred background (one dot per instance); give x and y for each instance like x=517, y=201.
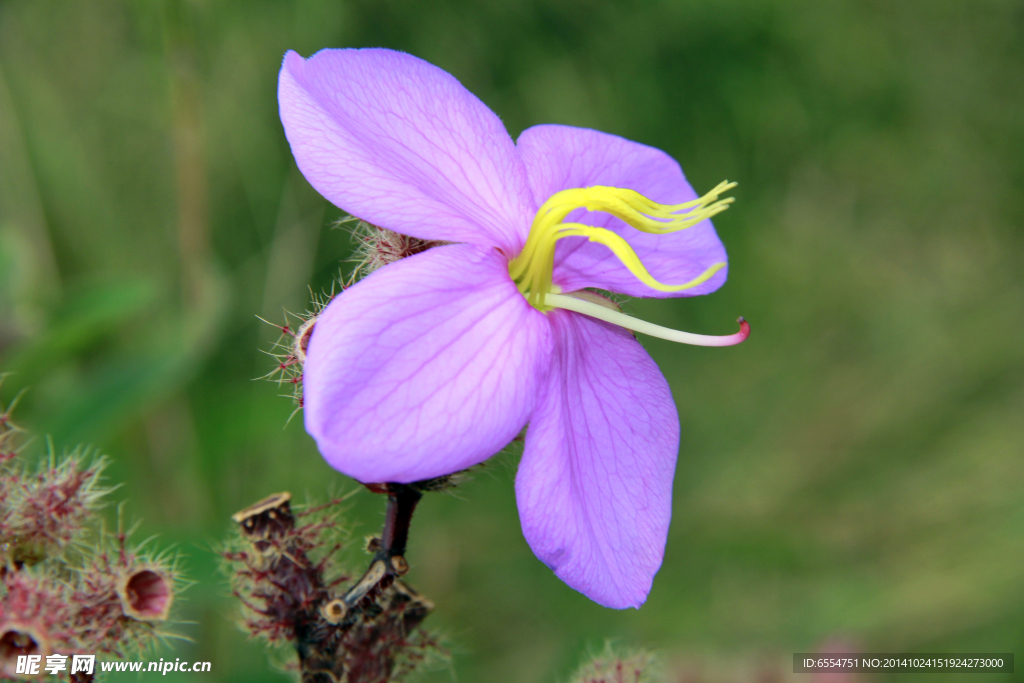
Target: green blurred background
x=852, y=474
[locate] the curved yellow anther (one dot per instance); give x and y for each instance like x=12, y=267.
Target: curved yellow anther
x=635, y=209
x=532, y=268
x=628, y=257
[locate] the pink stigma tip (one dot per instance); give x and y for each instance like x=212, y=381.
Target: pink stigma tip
x=744, y=330
x=734, y=339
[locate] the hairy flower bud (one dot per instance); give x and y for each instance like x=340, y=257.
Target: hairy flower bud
x=47, y=509
x=17, y=639
x=59, y=593
x=377, y=246
x=612, y=666
x=34, y=619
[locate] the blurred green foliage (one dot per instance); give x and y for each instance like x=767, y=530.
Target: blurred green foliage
x=853, y=472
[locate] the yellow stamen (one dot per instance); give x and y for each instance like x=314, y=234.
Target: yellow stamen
x=532, y=269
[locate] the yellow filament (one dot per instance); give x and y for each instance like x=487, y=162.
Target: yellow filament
x=636, y=209
x=628, y=257
x=532, y=269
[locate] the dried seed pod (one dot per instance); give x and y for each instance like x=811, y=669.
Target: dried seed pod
x=280, y=585
x=34, y=615
x=100, y=597
x=259, y=515
x=146, y=593
x=269, y=520
x=280, y=568
x=18, y=639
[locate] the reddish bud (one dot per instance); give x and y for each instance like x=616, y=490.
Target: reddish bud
x=33, y=619
x=97, y=599
x=617, y=667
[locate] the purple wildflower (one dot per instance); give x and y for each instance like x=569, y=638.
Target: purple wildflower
x=435, y=362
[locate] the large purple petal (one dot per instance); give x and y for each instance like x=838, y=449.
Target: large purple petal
x=562, y=157
x=426, y=367
x=400, y=143
x=595, y=483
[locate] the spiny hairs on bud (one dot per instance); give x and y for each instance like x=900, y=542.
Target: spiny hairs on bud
x=9, y=431
x=35, y=618
x=114, y=601
x=289, y=351
x=67, y=585
x=615, y=666
x=377, y=247
x=46, y=509
x=123, y=593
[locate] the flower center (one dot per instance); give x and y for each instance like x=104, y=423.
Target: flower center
x=532, y=269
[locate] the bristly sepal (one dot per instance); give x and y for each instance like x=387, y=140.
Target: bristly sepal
x=376, y=247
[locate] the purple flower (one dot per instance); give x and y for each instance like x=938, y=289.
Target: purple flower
x=435, y=362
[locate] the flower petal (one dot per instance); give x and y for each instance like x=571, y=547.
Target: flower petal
x=402, y=144
x=595, y=483
x=562, y=157
x=426, y=367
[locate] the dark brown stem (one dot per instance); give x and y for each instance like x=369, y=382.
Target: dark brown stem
x=389, y=560
x=402, y=500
